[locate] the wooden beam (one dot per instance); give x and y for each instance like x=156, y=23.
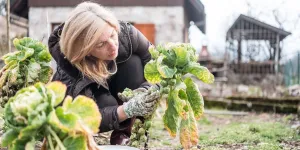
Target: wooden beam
x=277, y=51
x=8, y=24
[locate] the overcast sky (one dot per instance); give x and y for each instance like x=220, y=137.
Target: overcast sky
x=220, y=15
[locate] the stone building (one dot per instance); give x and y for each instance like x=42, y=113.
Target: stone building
x=159, y=20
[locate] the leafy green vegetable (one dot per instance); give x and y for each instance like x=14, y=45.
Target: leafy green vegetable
x=33, y=113
x=172, y=82
x=169, y=64
x=127, y=92
x=26, y=66
x=164, y=83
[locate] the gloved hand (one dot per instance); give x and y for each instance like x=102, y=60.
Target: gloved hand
x=137, y=91
x=155, y=87
x=141, y=104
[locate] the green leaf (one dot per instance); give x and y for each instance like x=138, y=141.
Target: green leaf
x=188, y=131
x=17, y=44
x=192, y=52
x=45, y=74
x=44, y=56
x=86, y=110
x=171, y=118
x=10, y=57
x=13, y=74
x=67, y=102
x=38, y=120
x=25, y=41
x=163, y=69
x=194, y=97
x=19, y=144
x=182, y=95
x=59, y=90
x=182, y=56
x=154, y=53
x=151, y=73
x=41, y=88
x=170, y=58
x=8, y=137
x=33, y=71
x=38, y=47
x=200, y=72
x=76, y=142
x=35, y=121
x=29, y=132
x=25, y=54
x=161, y=49
x=174, y=112
x=9, y=115
x=63, y=121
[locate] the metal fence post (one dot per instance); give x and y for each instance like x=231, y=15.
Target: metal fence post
x=298, y=68
x=291, y=80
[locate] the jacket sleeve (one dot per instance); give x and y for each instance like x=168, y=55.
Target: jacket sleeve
x=110, y=120
x=53, y=44
x=140, y=46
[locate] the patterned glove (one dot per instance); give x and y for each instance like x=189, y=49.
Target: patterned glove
x=141, y=104
x=126, y=98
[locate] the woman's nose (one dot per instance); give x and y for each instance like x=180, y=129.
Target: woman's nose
x=112, y=43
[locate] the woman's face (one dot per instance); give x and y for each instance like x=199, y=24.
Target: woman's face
x=107, y=47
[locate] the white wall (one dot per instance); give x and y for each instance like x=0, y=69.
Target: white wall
x=169, y=21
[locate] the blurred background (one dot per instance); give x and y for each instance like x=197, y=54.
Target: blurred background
x=251, y=46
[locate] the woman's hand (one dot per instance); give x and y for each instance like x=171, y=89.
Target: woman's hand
x=141, y=104
x=138, y=91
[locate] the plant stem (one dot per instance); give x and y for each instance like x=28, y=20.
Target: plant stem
x=59, y=143
x=50, y=142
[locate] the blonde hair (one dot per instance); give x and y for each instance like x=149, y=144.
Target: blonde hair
x=80, y=35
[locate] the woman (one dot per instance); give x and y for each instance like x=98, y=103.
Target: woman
x=98, y=57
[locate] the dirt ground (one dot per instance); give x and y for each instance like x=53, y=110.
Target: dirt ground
x=227, y=130
x=236, y=130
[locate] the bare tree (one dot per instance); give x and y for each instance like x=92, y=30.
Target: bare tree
x=280, y=17
x=252, y=11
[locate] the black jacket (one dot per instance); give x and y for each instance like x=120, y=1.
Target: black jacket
x=131, y=41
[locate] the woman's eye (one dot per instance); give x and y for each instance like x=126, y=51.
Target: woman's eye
x=100, y=45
